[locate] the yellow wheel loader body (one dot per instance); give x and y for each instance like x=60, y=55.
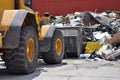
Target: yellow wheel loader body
x=21, y=34
x=19, y=28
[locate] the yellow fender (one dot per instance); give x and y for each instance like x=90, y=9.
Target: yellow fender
x=46, y=37
x=10, y=26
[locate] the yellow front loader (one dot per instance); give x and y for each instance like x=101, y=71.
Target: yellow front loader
x=21, y=37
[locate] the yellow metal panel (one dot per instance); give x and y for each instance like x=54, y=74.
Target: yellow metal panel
x=0, y=40
x=1, y=54
x=1, y=15
x=44, y=18
x=6, y=4
x=44, y=30
x=7, y=17
x=10, y=4
x=91, y=47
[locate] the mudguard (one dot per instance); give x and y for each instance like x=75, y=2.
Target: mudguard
x=12, y=37
x=45, y=40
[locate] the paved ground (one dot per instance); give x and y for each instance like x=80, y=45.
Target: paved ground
x=70, y=69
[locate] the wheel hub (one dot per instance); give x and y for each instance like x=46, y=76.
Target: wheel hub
x=58, y=47
x=30, y=49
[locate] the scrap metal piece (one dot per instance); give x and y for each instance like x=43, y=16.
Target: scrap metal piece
x=113, y=55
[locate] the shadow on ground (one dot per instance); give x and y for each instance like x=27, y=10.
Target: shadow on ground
x=4, y=75
x=42, y=64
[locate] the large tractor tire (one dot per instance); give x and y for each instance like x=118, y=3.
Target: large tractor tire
x=23, y=59
x=56, y=52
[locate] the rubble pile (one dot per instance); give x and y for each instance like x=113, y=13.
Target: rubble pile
x=102, y=37
x=88, y=19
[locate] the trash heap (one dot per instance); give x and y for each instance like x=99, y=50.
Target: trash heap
x=103, y=36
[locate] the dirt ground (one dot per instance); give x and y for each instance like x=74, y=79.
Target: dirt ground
x=70, y=69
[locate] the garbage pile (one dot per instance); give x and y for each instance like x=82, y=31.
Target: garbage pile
x=87, y=19
x=102, y=37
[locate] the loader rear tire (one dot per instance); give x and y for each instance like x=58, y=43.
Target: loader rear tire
x=23, y=59
x=56, y=52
